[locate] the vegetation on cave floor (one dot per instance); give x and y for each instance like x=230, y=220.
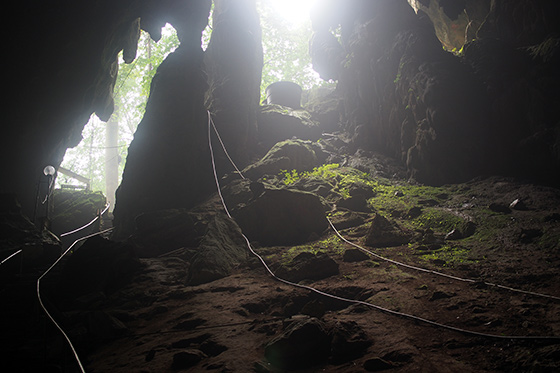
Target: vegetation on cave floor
x=439, y=210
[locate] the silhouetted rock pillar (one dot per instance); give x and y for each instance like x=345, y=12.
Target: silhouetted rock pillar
x=233, y=61
x=168, y=163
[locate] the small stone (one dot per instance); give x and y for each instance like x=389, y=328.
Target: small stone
x=517, y=204
x=455, y=234
x=498, y=207
x=354, y=255
x=398, y=193
x=414, y=212
x=383, y=233
x=528, y=235
x=469, y=228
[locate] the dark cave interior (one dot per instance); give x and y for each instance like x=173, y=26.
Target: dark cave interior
x=451, y=106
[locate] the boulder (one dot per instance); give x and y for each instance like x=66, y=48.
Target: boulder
x=17, y=232
x=324, y=105
x=383, y=233
x=308, y=266
x=282, y=217
x=221, y=249
x=162, y=231
x=74, y=208
x=349, y=342
x=354, y=255
x=347, y=219
x=286, y=155
x=187, y=358
x=354, y=203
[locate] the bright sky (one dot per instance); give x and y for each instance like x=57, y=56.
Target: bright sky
x=295, y=11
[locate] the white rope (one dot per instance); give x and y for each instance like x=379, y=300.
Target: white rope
x=45, y=309
x=383, y=309
x=223, y=146
x=88, y=224
x=435, y=272
x=11, y=256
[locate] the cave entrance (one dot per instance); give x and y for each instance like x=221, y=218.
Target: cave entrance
x=286, y=33
x=100, y=155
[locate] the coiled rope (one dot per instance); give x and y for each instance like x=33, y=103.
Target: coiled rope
x=353, y=301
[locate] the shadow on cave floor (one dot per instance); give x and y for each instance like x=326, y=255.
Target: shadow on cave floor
x=169, y=311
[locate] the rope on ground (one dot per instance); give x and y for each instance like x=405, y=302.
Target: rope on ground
x=371, y=305
x=11, y=256
x=435, y=272
x=45, y=309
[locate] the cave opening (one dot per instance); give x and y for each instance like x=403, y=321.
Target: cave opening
x=287, y=32
x=422, y=157
x=100, y=156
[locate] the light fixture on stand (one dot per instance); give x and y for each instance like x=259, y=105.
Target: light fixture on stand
x=49, y=172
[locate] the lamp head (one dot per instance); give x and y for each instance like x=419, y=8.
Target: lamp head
x=49, y=170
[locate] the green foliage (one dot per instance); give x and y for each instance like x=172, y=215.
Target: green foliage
x=437, y=219
x=330, y=245
x=448, y=255
x=286, y=51
x=131, y=94
x=134, y=80
x=325, y=171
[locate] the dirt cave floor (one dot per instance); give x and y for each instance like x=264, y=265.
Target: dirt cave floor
x=226, y=325
x=490, y=231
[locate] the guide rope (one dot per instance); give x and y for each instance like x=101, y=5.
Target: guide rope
x=436, y=272
x=88, y=224
x=11, y=256
x=368, y=304
x=45, y=309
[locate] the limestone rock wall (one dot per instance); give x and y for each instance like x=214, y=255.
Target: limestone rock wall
x=233, y=62
x=449, y=117
x=168, y=163
x=61, y=68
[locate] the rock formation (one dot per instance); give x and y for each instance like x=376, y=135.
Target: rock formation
x=491, y=109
